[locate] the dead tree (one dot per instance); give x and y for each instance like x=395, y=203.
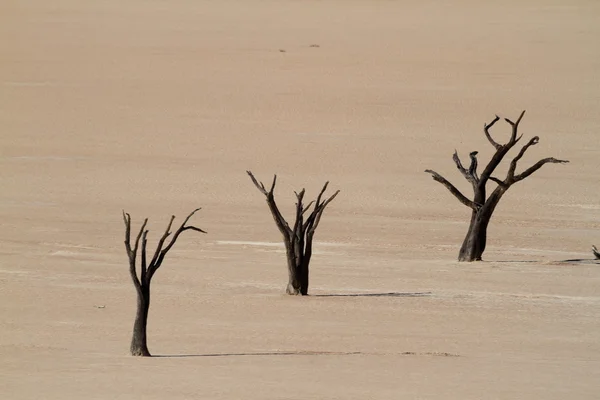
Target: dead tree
x=141, y=280
x=483, y=206
x=596, y=252
x=298, y=239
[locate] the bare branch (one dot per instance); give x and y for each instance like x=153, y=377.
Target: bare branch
x=132, y=253
x=537, y=166
x=281, y=223
x=518, y=119
x=139, y=235
x=182, y=228
x=260, y=185
x=320, y=212
x=299, y=213
x=329, y=200
x=321, y=194
x=473, y=166
x=127, y=221
x=308, y=207
x=515, y=128
x=486, y=130
x=300, y=196
x=499, y=182
x=161, y=253
x=144, y=263
x=190, y=216
x=193, y=228
x=513, y=164
x=461, y=197
x=458, y=163
x=501, y=151
x=470, y=174
x=161, y=242
x=311, y=219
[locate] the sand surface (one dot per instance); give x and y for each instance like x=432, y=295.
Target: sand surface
x=158, y=107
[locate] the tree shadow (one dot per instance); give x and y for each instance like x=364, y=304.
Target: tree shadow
x=388, y=294
x=263, y=354
x=588, y=261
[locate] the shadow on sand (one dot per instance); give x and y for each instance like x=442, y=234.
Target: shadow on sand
x=389, y=294
x=307, y=353
x=263, y=354
x=589, y=261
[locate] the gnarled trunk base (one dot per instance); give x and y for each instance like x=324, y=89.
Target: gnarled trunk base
x=139, y=344
x=474, y=244
x=298, y=278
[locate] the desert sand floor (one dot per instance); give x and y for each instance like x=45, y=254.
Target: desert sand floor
x=158, y=107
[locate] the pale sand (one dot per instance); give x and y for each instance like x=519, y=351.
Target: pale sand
x=158, y=107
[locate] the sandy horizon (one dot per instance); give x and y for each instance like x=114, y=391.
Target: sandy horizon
x=158, y=107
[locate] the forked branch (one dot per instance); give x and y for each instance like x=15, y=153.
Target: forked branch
x=501, y=149
x=511, y=178
x=132, y=253
x=538, y=165
x=315, y=217
x=148, y=270
x=471, y=173
x=486, y=130
x=160, y=252
x=596, y=252
x=479, y=182
x=461, y=197
x=515, y=128
x=281, y=223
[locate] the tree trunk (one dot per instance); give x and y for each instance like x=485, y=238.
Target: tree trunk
x=293, y=286
x=304, y=278
x=139, y=346
x=474, y=244
x=297, y=271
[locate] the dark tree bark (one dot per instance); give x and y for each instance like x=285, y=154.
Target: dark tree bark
x=298, y=239
x=483, y=206
x=596, y=252
x=141, y=281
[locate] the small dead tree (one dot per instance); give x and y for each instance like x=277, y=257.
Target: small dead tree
x=141, y=280
x=596, y=252
x=298, y=239
x=483, y=206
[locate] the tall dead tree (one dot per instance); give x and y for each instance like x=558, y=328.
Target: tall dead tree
x=483, y=206
x=141, y=280
x=298, y=239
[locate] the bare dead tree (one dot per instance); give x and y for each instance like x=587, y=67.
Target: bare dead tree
x=596, y=252
x=483, y=206
x=298, y=239
x=141, y=280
